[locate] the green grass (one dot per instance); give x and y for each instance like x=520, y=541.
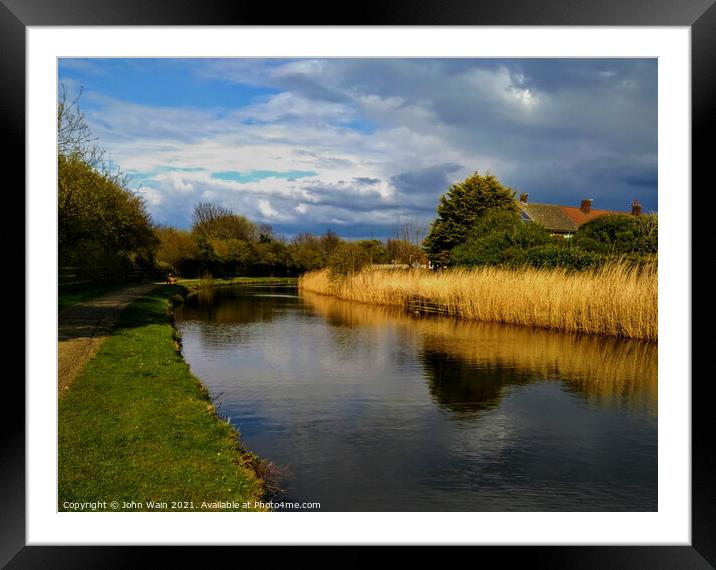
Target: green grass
x=136, y=425
x=66, y=299
x=192, y=284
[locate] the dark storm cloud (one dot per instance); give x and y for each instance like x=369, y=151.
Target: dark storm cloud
x=346, y=196
x=418, y=189
x=431, y=180
x=414, y=192
x=612, y=182
x=555, y=75
x=366, y=181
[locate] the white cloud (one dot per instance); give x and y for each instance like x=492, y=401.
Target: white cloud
x=268, y=211
x=288, y=106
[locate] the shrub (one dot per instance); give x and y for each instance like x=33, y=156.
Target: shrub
x=563, y=255
x=499, y=238
x=374, y=249
x=619, y=234
x=347, y=258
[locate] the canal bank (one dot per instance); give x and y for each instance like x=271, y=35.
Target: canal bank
x=138, y=428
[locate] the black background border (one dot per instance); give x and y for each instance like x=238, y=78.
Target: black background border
x=699, y=15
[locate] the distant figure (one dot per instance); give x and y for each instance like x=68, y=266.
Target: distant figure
x=171, y=279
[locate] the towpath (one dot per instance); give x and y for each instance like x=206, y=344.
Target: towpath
x=82, y=328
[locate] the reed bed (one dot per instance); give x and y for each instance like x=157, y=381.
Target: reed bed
x=616, y=300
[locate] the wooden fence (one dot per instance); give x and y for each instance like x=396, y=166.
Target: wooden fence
x=69, y=277
x=422, y=305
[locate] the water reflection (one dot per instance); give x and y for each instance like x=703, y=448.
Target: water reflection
x=372, y=409
x=225, y=315
x=469, y=363
x=463, y=388
x=203, y=305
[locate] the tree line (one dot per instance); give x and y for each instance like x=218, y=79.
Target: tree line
x=224, y=243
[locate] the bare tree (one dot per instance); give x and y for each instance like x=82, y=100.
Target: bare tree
x=411, y=230
x=74, y=137
x=206, y=212
x=406, y=248
x=213, y=221
x=266, y=233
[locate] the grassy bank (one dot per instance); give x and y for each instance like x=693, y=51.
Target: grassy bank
x=615, y=300
x=192, y=284
x=138, y=426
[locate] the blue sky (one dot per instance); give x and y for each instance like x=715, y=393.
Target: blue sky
x=359, y=145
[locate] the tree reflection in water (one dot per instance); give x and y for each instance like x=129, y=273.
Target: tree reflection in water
x=468, y=364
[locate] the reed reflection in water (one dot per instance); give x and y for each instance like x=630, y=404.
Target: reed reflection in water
x=369, y=408
x=604, y=370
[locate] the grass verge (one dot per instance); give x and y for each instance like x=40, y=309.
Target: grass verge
x=616, y=300
x=192, y=284
x=137, y=426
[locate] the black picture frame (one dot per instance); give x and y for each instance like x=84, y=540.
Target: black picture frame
x=699, y=15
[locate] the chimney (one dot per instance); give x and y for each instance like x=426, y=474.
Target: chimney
x=635, y=208
x=586, y=206
x=523, y=197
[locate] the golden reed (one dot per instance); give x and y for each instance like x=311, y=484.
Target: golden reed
x=616, y=300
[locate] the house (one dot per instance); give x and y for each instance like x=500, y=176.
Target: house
x=565, y=220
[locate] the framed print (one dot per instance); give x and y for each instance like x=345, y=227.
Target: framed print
x=308, y=218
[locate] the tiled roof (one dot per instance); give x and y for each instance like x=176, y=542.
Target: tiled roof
x=579, y=217
x=550, y=216
x=561, y=219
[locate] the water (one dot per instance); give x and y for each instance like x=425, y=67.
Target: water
x=369, y=409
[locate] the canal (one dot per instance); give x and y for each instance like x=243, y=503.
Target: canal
x=367, y=408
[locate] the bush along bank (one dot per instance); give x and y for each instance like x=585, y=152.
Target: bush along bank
x=138, y=431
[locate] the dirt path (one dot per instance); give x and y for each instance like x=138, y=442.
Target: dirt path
x=83, y=328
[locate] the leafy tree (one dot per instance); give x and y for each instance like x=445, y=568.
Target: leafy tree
x=499, y=237
x=102, y=223
x=305, y=253
x=460, y=208
x=329, y=243
x=209, y=260
x=347, y=258
x=619, y=234
x=268, y=257
x=374, y=250
x=177, y=251
x=647, y=234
